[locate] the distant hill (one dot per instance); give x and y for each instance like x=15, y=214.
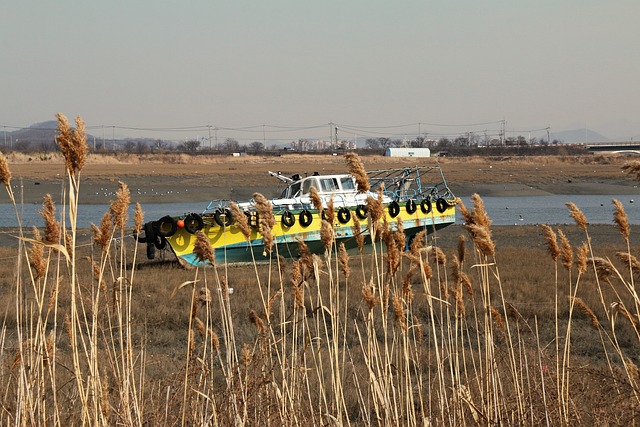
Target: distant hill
x=578, y=136
x=35, y=136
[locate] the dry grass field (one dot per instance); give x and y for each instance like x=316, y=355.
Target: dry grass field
x=476, y=325
x=218, y=177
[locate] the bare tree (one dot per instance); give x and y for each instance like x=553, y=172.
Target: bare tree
x=256, y=146
x=231, y=144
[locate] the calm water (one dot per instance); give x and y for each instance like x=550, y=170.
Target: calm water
x=502, y=210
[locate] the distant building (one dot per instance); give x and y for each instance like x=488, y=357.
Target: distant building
x=407, y=152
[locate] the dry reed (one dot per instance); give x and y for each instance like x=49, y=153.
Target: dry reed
x=356, y=168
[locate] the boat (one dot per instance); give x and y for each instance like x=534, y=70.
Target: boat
x=418, y=197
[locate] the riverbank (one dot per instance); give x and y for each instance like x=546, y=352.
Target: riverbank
x=179, y=177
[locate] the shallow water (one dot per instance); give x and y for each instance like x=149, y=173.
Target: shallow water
x=549, y=209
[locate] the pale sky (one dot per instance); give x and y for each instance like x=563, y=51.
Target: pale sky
x=566, y=64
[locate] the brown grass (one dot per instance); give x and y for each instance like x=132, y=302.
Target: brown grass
x=123, y=341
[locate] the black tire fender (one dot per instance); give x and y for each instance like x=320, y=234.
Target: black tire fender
x=411, y=206
x=441, y=205
x=344, y=215
x=425, y=206
x=361, y=211
x=139, y=238
x=160, y=242
x=394, y=209
x=305, y=218
x=193, y=222
x=166, y=226
x=223, y=217
x=288, y=219
x=150, y=239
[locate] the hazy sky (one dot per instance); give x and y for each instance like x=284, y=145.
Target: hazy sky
x=295, y=63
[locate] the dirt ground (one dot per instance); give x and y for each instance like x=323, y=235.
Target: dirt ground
x=179, y=177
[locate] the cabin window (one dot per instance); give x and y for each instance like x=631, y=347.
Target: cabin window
x=347, y=184
x=306, y=187
x=292, y=191
x=329, y=184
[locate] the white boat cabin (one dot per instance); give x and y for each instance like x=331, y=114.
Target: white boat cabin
x=324, y=184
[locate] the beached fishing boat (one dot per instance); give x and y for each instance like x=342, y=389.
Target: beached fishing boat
x=417, y=197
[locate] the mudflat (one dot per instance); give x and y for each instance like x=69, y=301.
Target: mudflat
x=181, y=177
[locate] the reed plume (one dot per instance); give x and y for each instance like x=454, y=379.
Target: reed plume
x=36, y=255
x=439, y=256
x=257, y=322
x=330, y=213
x=630, y=260
x=369, y=296
x=326, y=234
x=271, y=303
x=398, y=311
x=621, y=219
x=466, y=214
x=552, y=242
x=627, y=315
x=267, y=220
x=357, y=233
x=202, y=248
x=5, y=172
x=603, y=267
x=497, y=318
x=461, y=248
x=356, y=169
x=577, y=215
x=466, y=283
x=316, y=200
x=481, y=237
x=138, y=218
x=428, y=271
x=344, y=260
x=72, y=143
x=418, y=243
x=102, y=235
x=581, y=257
x=204, y=296
x=477, y=223
x=120, y=206
x=407, y=291
x=401, y=238
x=52, y=226
x=584, y=308
x=242, y=222
x=375, y=209
x=479, y=213
x=566, y=252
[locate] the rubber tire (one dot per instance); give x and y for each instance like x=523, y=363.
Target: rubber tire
x=162, y=222
x=150, y=238
x=288, y=219
x=160, y=242
x=441, y=205
x=193, y=222
x=394, y=209
x=425, y=206
x=228, y=217
x=411, y=206
x=305, y=218
x=344, y=215
x=361, y=211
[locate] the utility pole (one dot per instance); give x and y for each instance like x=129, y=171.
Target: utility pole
x=548, y=137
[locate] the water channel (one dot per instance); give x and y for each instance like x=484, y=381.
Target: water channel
x=548, y=209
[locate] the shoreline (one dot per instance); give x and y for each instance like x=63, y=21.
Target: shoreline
x=200, y=179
